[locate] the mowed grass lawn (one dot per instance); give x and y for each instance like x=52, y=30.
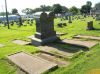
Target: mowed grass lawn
x=80, y=65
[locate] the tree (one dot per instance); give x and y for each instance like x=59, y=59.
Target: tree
x=4, y=13
x=86, y=8
x=74, y=10
x=27, y=11
x=65, y=9
x=57, y=8
x=14, y=11
x=89, y=3
x=45, y=8
x=97, y=6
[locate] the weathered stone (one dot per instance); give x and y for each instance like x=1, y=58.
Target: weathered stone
x=28, y=64
x=70, y=21
x=87, y=44
x=52, y=49
x=44, y=29
x=20, y=42
x=87, y=37
x=61, y=24
x=90, y=25
x=54, y=59
x=66, y=17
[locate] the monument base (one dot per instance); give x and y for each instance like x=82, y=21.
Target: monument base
x=37, y=42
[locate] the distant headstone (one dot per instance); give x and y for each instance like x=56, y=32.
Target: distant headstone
x=90, y=25
x=61, y=24
x=66, y=17
x=70, y=21
x=85, y=16
x=44, y=29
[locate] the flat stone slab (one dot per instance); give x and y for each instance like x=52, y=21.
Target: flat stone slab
x=30, y=37
x=54, y=59
x=60, y=34
x=20, y=42
x=87, y=37
x=87, y=44
x=31, y=64
x=56, y=51
x=1, y=45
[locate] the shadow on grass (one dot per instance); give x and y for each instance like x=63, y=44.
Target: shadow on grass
x=66, y=47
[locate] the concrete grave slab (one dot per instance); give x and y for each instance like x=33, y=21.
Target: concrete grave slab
x=54, y=59
x=61, y=34
x=20, y=42
x=53, y=50
x=87, y=44
x=1, y=45
x=30, y=36
x=31, y=64
x=87, y=37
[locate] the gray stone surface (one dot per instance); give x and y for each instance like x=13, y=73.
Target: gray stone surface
x=90, y=25
x=54, y=59
x=20, y=42
x=87, y=44
x=53, y=49
x=1, y=45
x=87, y=37
x=38, y=42
x=70, y=21
x=31, y=64
x=44, y=29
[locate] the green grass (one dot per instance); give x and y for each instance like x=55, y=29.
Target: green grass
x=80, y=65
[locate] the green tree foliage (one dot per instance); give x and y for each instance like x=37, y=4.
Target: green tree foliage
x=45, y=8
x=85, y=9
x=14, y=11
x=89, y=3
x=4, y=13
x=57, y=8
x=28, y=11
x=74, y=10
x=65, y=9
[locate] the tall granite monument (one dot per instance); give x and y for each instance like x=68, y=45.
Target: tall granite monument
x=44, y=29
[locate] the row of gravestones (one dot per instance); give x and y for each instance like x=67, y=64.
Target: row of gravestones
x=18, y=22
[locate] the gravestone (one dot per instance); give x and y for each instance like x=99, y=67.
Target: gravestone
x=90, y=25
x=70, y=21
x=66, y=17
x=44, y=29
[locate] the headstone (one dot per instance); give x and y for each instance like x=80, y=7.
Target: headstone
x=61, y=24
x=66, y=17
x=85, y=15
x=44, y=29
x=70, y=21
x=90, y=25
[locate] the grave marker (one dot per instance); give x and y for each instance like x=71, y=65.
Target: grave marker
x=44, y=29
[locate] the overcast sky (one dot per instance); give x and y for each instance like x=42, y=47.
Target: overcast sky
x=21, y=4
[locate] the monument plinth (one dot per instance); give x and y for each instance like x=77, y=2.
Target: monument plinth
x=44, y=29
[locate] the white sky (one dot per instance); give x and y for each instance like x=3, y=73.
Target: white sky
x=22, y=4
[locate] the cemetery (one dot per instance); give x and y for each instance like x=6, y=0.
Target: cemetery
x=51, y=43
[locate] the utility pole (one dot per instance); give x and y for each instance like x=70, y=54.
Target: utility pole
x=7, y=14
